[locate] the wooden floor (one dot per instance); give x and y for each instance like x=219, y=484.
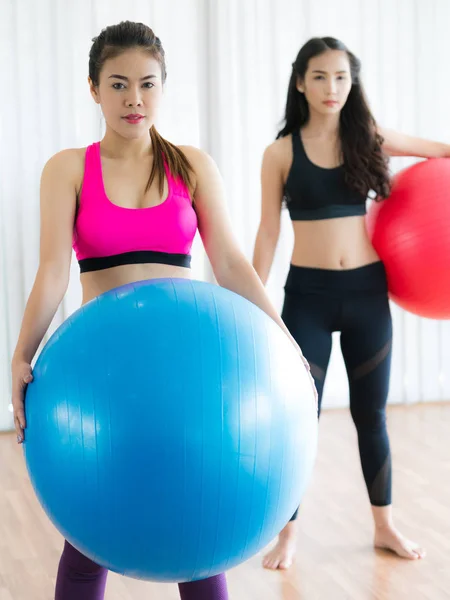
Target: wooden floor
x=335, y=558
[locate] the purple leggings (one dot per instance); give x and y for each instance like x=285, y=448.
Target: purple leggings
x=79, y=577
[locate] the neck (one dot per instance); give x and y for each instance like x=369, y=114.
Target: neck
x=322, y=126
x=116, y=146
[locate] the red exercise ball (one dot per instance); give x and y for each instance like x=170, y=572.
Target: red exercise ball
x=410, y=230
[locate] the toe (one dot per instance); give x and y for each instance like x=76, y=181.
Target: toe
x=408, y=550
x=421, y=552
x=269, y=562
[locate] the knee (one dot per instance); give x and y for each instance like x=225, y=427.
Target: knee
x=370, y=421
x=76, y=562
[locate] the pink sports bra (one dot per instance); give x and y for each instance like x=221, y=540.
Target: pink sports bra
x=107, y=235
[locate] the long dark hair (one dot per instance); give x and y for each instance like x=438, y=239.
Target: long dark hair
x=111, y=42
x=365, y=164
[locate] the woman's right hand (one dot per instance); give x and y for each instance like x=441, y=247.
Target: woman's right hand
x=311, y=379
x=60, y=181
x=22, y=375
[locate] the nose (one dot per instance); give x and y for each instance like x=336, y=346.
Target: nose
x=332, y=87
x=133, y=98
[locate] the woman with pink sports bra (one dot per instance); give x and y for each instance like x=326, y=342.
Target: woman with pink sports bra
x=130, y=205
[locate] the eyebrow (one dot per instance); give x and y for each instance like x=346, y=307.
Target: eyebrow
x=326, y=72
x=115, y=76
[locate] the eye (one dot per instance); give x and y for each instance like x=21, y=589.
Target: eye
x=319, y=77
x=149, y=85
x=116, y=86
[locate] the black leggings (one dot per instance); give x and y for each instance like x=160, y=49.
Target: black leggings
x=354, y=302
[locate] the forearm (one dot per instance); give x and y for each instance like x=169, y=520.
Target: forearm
x=424, y=149
x=46, y=295
x=240, y=277
x=263, y=254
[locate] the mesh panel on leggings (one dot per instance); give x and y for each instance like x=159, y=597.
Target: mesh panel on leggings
x=370, y=365
x=317, y=372
x=381, y=483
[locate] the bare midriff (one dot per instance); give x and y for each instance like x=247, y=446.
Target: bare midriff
x=95, y=283
x=337, y=244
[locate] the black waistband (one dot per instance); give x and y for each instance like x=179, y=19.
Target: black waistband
x=332, y=211
x=132, y=258
x=369, y=278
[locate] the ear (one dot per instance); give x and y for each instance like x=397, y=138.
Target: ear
x=300, y=86
x=94, y=91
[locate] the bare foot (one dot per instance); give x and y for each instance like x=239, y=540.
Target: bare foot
x=282, y=555
x=388, y=538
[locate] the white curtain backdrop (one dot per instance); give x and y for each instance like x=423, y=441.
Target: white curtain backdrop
x=228, y=67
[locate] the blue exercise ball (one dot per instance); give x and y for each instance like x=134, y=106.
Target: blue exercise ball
x=171, y=430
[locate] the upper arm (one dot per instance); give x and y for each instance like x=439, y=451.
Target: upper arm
x=58, y=207
x=272, y=188
x=396, y=143
x=390, y=144
x=214, y=223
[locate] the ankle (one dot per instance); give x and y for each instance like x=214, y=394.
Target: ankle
x=289, y=532
x=383, y=518
x=386, y=526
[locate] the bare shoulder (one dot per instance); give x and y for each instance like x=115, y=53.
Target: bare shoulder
x=279, y=147
x=206, y=172
x=199, y=159
x=67, y=165
x=68, y=161
x=280, y=150
x=278, y=155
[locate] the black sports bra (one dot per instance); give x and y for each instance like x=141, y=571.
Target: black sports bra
x=312, y=192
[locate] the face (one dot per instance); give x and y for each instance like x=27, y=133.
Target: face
x=129, y=92
x=327, y=82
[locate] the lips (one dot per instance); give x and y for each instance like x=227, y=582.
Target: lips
x=133, y=118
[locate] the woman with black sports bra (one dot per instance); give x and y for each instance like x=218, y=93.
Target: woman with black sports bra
x=327, y=158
